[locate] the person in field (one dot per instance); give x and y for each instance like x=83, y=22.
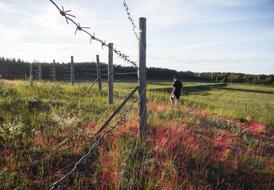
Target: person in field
x=176, y=90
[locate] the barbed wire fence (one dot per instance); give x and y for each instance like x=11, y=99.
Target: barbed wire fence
x=69, y=19
x=101, y=134
x=131, y=20
x=52, y=71
x=105, y=130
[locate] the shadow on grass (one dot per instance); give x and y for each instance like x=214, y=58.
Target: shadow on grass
x=191, y=89
x=247, y=90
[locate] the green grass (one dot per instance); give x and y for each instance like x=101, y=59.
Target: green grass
x=45, y=128
x=236, y=104
x=251, y=87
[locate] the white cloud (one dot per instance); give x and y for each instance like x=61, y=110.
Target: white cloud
x=3, y=6
x=179, y=31
x=237, y=3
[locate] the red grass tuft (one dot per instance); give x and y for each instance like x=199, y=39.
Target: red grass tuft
x=109, y=168
x=256, y=128
x=13, y=81
x=90, y=128
x=5, y=152
x=222, y=145
x=159, y=107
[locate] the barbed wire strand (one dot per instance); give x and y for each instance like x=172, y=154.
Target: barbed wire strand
x=131, y=20
x=100, y=136
x=69, y=18
x=129, y=15
x=127, y=73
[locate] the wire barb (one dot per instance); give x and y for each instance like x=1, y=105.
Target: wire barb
x=80, y=28
x=65, y=13
x=130, y=19
x=123, y=116
x=69, y=19
x=92, y=37
x=104, y=44
x=100, y=137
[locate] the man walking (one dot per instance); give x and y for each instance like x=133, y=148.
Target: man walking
x=176, y=90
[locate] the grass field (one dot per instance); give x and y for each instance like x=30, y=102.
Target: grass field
x=218, y=138
x=237, y=104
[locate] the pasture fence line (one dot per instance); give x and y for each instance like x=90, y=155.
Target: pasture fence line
x=31, y=74
x=142, y=61
x=40, y=75
x=92, y=85
x=67, y=73
x=131, y=20
x=142, y=79
x=64, y=72
x=98, y=67
x=142, y=69
x=72, y=73
x=141, y=87
x=35, y=72
x=52, y=71
x=127, y=73
x=69, y=18
x=110, y=73
x=100, y=135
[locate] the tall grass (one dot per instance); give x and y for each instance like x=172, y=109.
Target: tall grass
x=236, y=104
x=46, y=127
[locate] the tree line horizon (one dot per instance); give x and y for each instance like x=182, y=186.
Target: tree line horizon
x=16, y=69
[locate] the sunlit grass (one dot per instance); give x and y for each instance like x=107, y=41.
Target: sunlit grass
x=46, y=127
x=236, y=104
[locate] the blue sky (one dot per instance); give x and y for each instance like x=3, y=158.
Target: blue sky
x=195, y=35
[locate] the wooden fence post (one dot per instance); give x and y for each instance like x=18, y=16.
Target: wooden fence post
x=72, y=79
x=31, y=73
x=54, y=70
x=110, y=74
x=142, y=79
x=40, y=77
x=99, y=72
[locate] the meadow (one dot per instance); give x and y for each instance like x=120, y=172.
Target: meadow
x=243, y=102
x=219, y=137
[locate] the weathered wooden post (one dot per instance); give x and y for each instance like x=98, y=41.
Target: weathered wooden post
x=110, y=74
x=99, y=72
x=72, y=79
x=40, y=77
x=142, y=78
x=31, y=73
x=54, y=70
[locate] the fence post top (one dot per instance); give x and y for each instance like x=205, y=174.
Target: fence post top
x=142, y=22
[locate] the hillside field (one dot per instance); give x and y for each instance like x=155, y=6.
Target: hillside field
x=221, y=136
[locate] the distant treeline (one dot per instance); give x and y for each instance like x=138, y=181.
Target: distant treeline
x=18, y=69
